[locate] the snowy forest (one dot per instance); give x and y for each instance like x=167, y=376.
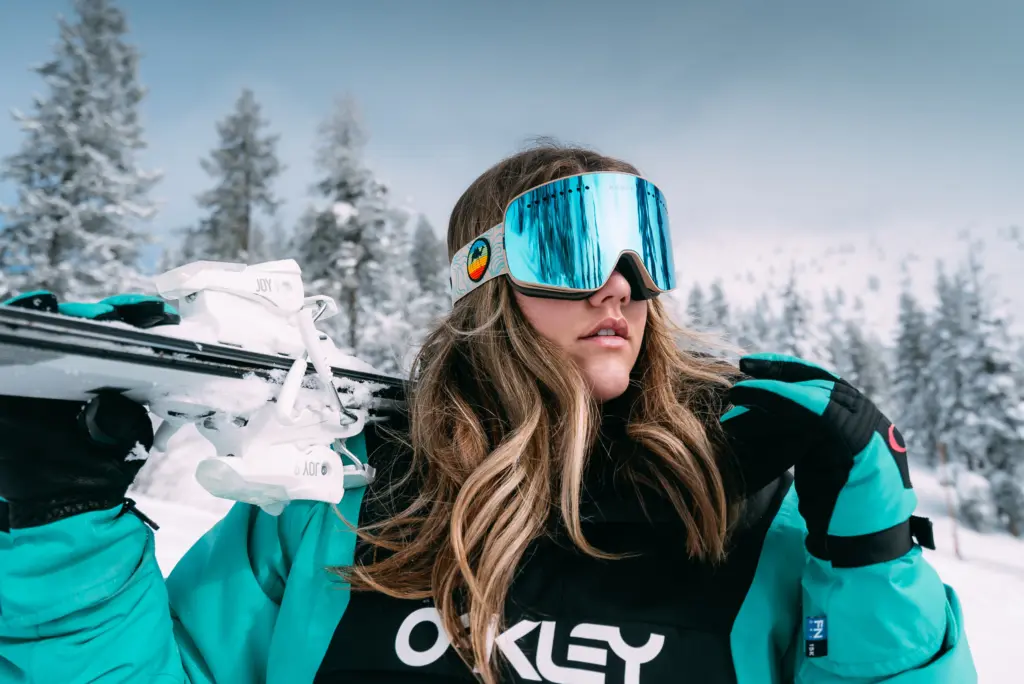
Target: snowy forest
x=952, y=376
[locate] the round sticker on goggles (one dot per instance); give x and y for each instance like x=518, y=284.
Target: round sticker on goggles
x=479, y=258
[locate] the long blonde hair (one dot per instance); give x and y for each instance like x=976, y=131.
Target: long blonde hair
x=501, y=428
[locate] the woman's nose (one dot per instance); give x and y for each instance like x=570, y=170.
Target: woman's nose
x=617, y=287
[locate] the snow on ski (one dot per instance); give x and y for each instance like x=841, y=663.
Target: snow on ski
x=62, y=357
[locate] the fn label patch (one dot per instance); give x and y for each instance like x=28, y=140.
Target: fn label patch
x=816, y=637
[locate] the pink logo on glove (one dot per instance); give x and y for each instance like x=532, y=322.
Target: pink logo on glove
x=896, y=443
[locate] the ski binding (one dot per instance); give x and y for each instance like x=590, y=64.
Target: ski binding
x=270, y=449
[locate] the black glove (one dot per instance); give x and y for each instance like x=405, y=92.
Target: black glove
x=61, y=458
x=850, y=463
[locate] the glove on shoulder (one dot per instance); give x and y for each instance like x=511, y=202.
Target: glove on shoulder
x=850, y=462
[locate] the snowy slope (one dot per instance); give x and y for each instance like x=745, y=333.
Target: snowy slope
x=873, y=268
x=989, y=581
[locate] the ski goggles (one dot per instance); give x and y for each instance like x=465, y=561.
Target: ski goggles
x=564, y=239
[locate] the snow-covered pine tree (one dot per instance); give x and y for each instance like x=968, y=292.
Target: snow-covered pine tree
x=706, y=320
x=696, y=307
x=757, y=327
x=76, y=227
x=834, y=305
x=717, y=313
x=796, y=333
x=244, y=165
x=974, y=373
x=914, y=392
x=429, y=258
x=341, y=251
x=997, y=390
x=994, y=398
x=865, y=355
x=950, y=369
x=856, y=354
x=949, y=372
x=397, y=317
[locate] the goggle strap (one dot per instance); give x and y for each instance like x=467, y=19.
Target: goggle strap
x=479, y=261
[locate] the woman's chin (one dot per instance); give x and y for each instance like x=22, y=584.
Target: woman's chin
x=607, y=382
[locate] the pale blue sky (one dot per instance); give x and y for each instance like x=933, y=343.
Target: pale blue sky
x=766, y=123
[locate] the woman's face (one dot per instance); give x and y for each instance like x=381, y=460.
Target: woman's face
x=606, y=360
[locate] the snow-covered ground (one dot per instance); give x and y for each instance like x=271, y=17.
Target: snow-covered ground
x=989, y=579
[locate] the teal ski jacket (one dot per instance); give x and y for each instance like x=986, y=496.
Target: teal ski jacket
x=83, y=600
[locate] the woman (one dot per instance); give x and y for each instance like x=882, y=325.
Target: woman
x=567, y=501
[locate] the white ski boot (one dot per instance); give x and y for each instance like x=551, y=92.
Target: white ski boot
x=270, y=449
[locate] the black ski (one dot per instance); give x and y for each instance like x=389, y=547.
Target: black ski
x=30, y=337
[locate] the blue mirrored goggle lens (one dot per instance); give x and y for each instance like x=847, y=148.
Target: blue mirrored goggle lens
x=572, y=232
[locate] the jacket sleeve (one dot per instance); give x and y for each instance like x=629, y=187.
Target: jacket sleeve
x=83, y=599
x=893, y=622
